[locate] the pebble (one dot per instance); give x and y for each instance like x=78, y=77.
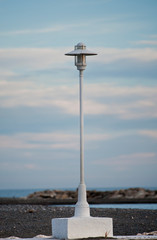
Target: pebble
x=27, y=221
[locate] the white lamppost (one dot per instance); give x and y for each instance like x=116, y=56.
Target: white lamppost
x=82, y=225
x=80, y=53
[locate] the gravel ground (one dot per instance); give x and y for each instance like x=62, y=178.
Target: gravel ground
x=27, y=221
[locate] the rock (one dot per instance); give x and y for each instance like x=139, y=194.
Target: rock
x=31, y=211
x=154, y=233
x=131, y=193
x=43, y=194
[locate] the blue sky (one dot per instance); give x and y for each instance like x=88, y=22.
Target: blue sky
x=39, y=100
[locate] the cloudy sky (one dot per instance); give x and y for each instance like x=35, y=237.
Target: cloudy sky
x=39, y=93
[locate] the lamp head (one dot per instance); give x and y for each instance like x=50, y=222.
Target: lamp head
x=80, y=52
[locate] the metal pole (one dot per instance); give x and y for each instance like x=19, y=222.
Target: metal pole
x=81, y=129
x=82, y=206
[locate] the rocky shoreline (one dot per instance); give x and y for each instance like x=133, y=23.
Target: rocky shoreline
x=131, y=193
x=58, y=197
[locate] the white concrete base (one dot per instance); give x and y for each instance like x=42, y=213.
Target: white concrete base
x=81, y=227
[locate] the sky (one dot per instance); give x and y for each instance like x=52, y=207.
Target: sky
x=39, y=93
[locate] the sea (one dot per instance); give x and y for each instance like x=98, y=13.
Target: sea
x=15, y=193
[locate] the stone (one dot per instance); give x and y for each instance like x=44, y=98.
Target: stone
x=131, y=193
x=81, y=227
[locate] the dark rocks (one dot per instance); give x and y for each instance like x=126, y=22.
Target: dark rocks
x=58, y=197
x=54, y=194
x=131, y=193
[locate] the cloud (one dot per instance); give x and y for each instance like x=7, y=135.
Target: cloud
x=50, y=29
x=124, y=162
x=100, y=26
x=108, y=55
x=5, y=166
x=26, y=59
x=53, y=140
x=65, y=98
x=17, y=94
x=99, y=99
x=32, y=31
x=146, y=42
x=149, y=133
x=7, y=74
x=30, y=166
x=53, y=28
x=40, y=141
x=153, y=36
x=67, y=141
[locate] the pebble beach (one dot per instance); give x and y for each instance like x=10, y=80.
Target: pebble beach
x=27, y=221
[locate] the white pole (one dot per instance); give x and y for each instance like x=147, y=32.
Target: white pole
x=81, y=129
x=81, y=207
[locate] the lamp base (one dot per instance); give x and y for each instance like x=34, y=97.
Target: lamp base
x=81, y=227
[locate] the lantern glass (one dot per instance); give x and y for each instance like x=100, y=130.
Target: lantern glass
x=84, y=59
x=80, y=60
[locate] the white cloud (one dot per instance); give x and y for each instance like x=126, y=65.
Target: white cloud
x=98, y=137
x=25, y=59
x=100, y=25
x=123, y=162
x=32, y=31
x=108, y=55
x=149, y=133
x=7, y=73
x=63, y=140
x=110, y=90
x=39, y=141
x=15, y=94
x=129, y=102
x=5, y=166
x=153, y=36
x=100, y=99
x=30, y=166
x=53, y=140
x=50, y=29
x=147, y=42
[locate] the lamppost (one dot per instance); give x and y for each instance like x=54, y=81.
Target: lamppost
x=80, y=53
x=82, y=225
